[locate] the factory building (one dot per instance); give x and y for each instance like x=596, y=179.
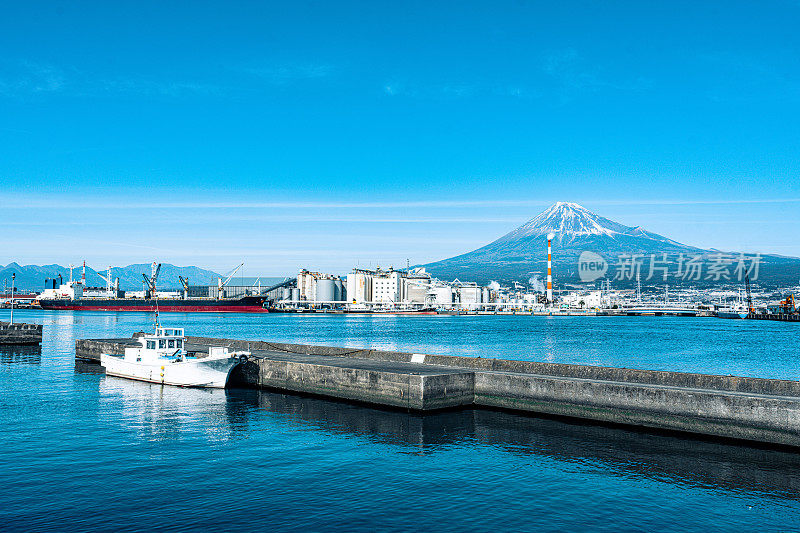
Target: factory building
x=366, y=290
x=359, y=286
x=318, y=287
x=585, y=300
x=414, y=287
x=388, y=286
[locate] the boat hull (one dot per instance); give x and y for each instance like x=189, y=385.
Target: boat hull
x=203, y=372
x=356, y=311
x=247, y=304
x=733, y=314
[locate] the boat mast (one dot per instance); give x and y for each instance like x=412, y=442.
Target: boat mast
x=13, y=277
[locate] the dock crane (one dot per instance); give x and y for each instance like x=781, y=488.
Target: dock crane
x=788, y=306
x=185, y=283
x=221, y=284
x=258, y=283
x=150, y=282
x=112, y=286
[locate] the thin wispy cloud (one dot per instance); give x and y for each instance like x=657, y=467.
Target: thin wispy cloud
x=456, y=90
x=15, y=202
x=153, y=87
x=286, y=73
x=31, y=78
x=25, y=78
x=236, y=217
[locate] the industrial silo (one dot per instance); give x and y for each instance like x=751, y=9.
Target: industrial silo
x=339, y=290
x=416, y=293
x=325, y=290
x=444, y=295
x=295, y=294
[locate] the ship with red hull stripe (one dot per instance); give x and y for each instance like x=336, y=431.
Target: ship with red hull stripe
x=245, y=304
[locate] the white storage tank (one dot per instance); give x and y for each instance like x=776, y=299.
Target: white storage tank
x=470, y=295
x=416, y=293
x=339, y=288
x=359, y=287
x=325, y=290
x=443, y=295
x=296, y=294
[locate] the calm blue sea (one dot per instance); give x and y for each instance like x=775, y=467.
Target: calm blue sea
x=79, y=450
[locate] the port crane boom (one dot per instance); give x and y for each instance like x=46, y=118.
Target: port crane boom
x=151, y=281
x=223, y=283
x=185, y=283
x=111, y=285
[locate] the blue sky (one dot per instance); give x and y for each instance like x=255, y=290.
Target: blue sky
x=332, y=134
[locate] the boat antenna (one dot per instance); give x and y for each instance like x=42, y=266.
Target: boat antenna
x=157, y=325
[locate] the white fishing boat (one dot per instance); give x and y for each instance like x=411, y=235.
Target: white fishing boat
x=162, y=358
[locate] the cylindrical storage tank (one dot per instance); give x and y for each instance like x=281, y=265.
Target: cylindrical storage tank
x=339, y=290
x=485, y=295
x=325, y=290
x=444, y=295
x=286, y=293
x=417, y=293
x=296, y=294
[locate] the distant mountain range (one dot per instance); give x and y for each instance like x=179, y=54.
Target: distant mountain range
x=584, y=242
x=31, y=277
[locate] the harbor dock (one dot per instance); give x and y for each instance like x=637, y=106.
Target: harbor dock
x=16, y=333
x=743, y=408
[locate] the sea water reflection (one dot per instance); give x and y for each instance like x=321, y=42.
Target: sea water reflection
x=73, y=441
x=29, y=355
x=164, y=413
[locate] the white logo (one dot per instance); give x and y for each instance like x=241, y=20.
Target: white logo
x=591, y=266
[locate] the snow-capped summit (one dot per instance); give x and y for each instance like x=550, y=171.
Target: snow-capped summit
x=570, y=221
x=567, y=218
x=522, y=253
x=576, y=229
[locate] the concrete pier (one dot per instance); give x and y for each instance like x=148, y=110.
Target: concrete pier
x=752, y=409
x=20, y=333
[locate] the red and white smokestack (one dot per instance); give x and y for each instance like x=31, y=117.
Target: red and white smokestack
x=550, y=238
x=83, y=274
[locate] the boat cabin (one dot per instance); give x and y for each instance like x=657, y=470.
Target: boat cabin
x=165, y=343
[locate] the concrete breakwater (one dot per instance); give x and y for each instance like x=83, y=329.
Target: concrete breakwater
x=20, y=333
x=753, y=409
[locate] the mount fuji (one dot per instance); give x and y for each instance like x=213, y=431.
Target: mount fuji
x=522, y=253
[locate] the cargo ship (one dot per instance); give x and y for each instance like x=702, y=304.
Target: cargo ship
x=70, y=297
x=245, y=304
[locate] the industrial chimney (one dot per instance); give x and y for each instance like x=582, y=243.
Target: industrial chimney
x=550, y=238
